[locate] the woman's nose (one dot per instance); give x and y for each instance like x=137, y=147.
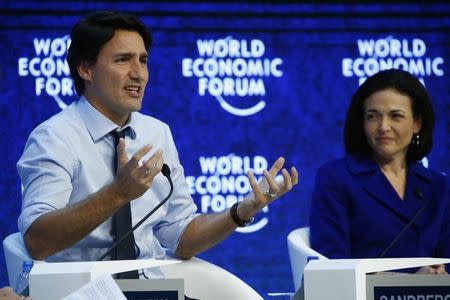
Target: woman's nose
x=384, y=125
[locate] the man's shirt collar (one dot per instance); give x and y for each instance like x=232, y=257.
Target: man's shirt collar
x=98, y=125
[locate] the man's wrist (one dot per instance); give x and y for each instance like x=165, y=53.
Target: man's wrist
x=113, y=193
x=235, y=217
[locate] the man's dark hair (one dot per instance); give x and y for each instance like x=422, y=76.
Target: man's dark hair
x=95, y=30
x=404, y=83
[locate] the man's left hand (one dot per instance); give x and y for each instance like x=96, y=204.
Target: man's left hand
x=268, y=189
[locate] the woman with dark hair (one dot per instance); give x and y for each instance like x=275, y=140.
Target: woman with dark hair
x=363, y=201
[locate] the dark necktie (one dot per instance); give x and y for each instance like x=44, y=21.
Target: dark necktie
x=121, y=223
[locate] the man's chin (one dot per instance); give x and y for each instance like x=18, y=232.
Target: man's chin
x=136, y=106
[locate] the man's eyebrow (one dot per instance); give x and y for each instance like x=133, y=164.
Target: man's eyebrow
x=398, y=110
x=391, y=111
x=123, y=54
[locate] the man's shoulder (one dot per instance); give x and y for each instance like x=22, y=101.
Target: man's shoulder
x=147, y=121
x=63, y=120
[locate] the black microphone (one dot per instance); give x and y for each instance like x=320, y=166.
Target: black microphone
x=419, y=195
x=166, y=172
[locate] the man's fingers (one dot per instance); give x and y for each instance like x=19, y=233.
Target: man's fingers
x=273, y=186
x=287, y=180
x=122, y=157
x=277, y=166
x=294, y=176
x=254, y=185
x=134, y=161
x=153, y=165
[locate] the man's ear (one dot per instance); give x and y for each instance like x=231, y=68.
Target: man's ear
x=84, y=70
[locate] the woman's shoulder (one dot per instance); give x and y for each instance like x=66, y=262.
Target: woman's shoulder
x=333, y=164
x=333, y=171
x=429, y=177
x=429, y=173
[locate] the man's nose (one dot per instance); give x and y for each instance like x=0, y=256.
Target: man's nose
x=138, y=70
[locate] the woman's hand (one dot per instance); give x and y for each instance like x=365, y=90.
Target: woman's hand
x=434, y=269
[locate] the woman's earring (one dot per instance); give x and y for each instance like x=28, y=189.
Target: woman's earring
x=416, y=139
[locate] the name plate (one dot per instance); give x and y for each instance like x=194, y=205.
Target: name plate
x=412, y=293
x=408, y=287
x=152, y=289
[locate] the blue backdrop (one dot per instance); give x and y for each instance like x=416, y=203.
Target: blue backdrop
x=239, y=84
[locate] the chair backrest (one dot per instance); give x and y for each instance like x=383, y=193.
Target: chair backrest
x=15, y=255
x=299, y=250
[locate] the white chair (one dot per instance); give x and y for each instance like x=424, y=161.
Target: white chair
x=202, y=280
x=15, y=255
x=299, y=250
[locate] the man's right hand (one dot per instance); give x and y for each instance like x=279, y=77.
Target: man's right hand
x=74, y=222
x=132, y=178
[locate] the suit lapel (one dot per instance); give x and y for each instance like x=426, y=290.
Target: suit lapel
x=374, y=182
